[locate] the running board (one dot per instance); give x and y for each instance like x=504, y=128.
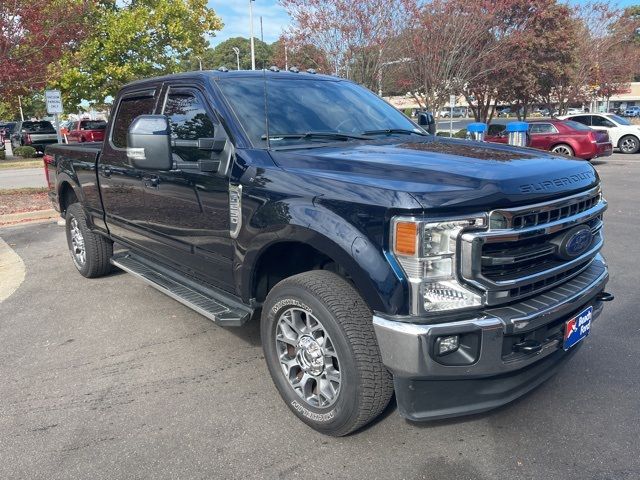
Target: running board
x=213, y=304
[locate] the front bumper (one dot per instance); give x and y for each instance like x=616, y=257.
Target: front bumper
x=428, y=389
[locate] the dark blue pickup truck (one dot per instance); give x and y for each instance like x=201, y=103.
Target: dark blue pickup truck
x=378, y=258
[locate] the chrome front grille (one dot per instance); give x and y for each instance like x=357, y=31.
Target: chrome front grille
x=519, y=255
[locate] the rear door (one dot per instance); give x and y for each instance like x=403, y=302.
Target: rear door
x=187, y=208
x=120, y=181
x=543, y=135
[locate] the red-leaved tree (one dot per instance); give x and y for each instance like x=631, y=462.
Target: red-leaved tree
x=33, y=34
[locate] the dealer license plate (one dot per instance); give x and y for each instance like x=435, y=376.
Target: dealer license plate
x=577, y=328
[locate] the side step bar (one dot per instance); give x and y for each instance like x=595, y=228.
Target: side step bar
x=213, y=304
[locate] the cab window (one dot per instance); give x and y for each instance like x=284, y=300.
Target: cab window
x=129, y=108
x=189, y=122
x=583, y=119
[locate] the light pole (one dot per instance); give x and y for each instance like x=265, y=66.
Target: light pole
x=20, y=104
x=237, y=52
x=253, y=48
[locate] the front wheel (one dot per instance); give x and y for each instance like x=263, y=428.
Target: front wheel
x=563, y=149
x=629, y=144
x=91, y=253
x=322, y=353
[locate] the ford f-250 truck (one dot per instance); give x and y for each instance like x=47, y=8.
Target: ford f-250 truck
x=377, y=257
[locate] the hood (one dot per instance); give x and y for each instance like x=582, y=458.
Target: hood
x=445, y=173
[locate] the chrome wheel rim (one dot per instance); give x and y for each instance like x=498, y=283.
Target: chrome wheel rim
x=308, y=358
x=78, y=251
x=628, y=145
x=563, y=150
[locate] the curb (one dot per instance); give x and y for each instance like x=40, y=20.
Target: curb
x=26, y=217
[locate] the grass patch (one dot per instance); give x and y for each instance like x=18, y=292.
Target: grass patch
x=23, y=191
x=26, y=163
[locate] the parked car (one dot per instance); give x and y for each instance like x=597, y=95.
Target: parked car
x=633, y=111
x=457, y=113
x=36, y=134
x=86, y=131
x=563, y=137
x=622, y=133
x=377, y=257
x=575, y=111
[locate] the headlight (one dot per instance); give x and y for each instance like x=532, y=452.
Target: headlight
x=427, y=252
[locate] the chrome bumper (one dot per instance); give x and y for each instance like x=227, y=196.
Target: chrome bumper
x=407, y=347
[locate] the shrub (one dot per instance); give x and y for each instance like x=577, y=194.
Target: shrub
x=24, y=152
x=459, y=134
x=408, y=111
x=3, y=155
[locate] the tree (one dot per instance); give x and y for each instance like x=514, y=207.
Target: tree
x=33, y=34
x=131, y=40
x=302, y=56
x=452, y=44
x=224, y=55
x=352, y=35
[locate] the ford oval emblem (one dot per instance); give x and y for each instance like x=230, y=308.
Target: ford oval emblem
x=574, y=243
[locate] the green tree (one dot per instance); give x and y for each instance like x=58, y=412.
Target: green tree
x=137, y=39
x=224, y=55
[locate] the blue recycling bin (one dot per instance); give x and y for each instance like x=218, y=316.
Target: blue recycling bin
x=476, y=131
x=517, y=132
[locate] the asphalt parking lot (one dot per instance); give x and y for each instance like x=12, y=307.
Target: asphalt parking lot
x=108, y=378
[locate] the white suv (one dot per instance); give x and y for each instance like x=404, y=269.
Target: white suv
x=622, y=133
x=633, y=111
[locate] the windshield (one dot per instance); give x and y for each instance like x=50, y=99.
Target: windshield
x=38, y=126
x=619, y=120
x=93, y=125
x=307, y=106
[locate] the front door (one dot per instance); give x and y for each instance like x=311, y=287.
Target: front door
x=187, y=208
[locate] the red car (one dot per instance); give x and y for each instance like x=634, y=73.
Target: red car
x=564, y=137
x=86, y=131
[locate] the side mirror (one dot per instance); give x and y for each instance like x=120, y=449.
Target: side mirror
x=426, y=120
x=149, y=143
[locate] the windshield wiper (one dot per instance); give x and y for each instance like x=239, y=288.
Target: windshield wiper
x=331, y=135
x=390, y=131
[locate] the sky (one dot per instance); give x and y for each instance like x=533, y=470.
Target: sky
x=235, y=15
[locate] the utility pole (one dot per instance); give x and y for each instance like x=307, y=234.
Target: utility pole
x=286, y=59
x=253, y=48
x=20, y=103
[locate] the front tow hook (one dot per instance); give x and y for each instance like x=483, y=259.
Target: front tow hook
x=528, y=346
x=605, y=297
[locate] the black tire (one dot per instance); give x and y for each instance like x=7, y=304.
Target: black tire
x=98, y=250
x=366, y=386
x=629, y=144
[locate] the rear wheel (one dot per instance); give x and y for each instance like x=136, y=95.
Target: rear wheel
x=629, y=144
x=322, y=353
x=91, y=253
x=563, y=149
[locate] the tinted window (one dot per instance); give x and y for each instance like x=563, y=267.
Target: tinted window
x=128, y=109
x=597, y=121
x=308, y=105
x=93, y=125
x=189, y=121
x=187, y=116
x=38, y=126
x=584, y=119
x=541, y=128
x=576, y=125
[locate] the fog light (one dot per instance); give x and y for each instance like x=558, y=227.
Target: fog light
x=446, y=345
